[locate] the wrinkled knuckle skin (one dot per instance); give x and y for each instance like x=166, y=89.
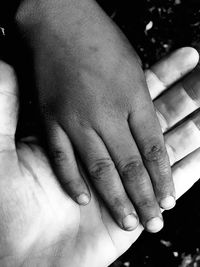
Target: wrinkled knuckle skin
x=154, y=152
x=165, y=182
x=132, y=170
x=58, y=156
x=101, y=169
x=145, y=204
x=117, y=204
x=69, y=184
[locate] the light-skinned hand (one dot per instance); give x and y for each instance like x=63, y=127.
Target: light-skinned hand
x=40, y=225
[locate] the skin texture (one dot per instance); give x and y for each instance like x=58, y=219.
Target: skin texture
x=97, y=110
x=40, y=225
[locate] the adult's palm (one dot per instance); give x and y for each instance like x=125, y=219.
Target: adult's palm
x=39, y=224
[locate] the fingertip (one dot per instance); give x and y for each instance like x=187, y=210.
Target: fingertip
x=5, y=68
x=170, y=69
x=83, y=199
x=154, y=225
x=168, y=203
x=189, y=56
x=7, y=78
x=130, y=222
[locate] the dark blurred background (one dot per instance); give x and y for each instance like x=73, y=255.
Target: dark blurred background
x=155, y=28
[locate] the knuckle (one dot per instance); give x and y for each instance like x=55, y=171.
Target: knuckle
x=66, y=182
x=132, y=169
x=154, y=151
x=58, y=156
x=101, y=169
x=146, y=203
x=164, y=184
x=119, y=204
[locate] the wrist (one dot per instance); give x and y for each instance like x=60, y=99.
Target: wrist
x=66, y=19
x=32, y=13
x=77, y=28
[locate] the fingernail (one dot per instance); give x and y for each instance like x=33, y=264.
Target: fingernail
x=83, y=199
x=154, y=225
x=168, y=203
x=130, y=222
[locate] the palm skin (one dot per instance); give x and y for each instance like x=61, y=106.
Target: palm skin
x=39, y=218
x=42, y=226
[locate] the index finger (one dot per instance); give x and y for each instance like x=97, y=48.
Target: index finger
x=170, y=69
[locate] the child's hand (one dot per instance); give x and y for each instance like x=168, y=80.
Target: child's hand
x=96, y=106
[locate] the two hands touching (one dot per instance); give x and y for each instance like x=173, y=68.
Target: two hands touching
x=40, y=225
x=97, y=111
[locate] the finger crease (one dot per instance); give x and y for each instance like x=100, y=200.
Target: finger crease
x=162, y=120
x=192, y=95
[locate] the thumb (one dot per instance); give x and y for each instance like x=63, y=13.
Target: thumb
x=8, y=106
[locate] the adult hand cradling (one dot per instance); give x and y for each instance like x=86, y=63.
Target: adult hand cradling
x=40, y=225
x=97, y=110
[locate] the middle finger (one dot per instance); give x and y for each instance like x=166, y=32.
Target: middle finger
x=179, y=101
